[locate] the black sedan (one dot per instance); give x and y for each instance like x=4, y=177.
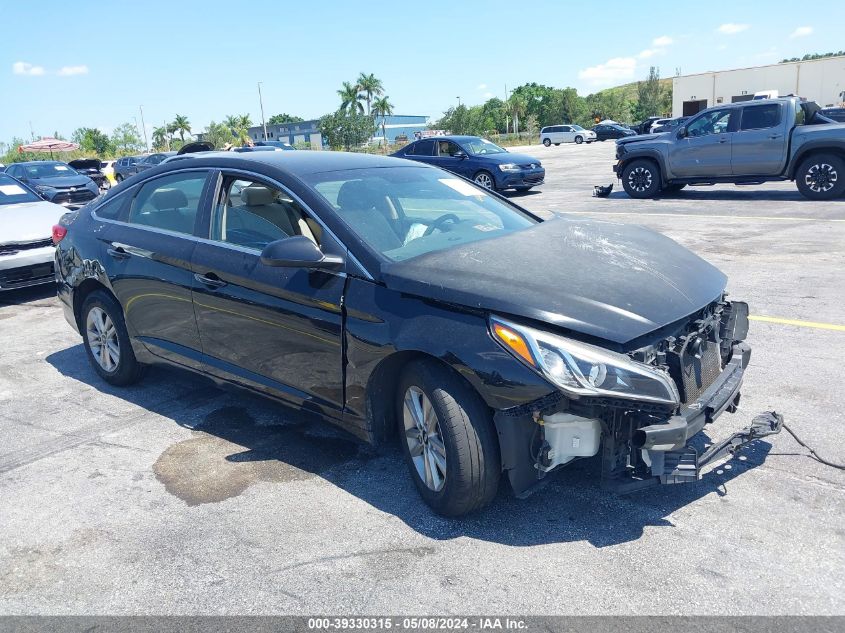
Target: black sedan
x=397, y=300
x=606, y=131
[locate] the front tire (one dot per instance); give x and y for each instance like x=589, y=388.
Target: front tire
x=641, y=179
x=448, y=439
x=485, y=179
x=107, y=341
x=579, y=140
x=821, y=177
x=547, y=142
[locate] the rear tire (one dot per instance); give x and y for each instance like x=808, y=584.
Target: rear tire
x=579, y=140
x=641, y=179
x=107, y=341
x=547, y=142
x=455, y=462
x=821, y=177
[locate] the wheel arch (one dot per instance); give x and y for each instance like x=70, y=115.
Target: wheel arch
x=820, y=147
x=81, y=292
x=652, y=156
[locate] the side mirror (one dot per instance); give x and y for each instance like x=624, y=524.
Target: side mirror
x=459, y=155
x=682, y=133
x=298, y=252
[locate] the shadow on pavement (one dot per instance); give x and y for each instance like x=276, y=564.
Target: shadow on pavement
x=241, y=438
x=716, y=192
x=27, y=295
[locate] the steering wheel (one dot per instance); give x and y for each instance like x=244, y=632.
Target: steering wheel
x=448, y=217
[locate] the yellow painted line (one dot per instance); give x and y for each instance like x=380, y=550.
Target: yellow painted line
x=702, y=216
x=812, y=324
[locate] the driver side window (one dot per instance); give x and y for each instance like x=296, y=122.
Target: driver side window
x=715, y=122
x=447, y=148
x=252, y=214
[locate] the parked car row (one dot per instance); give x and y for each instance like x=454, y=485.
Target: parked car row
x=55, y=181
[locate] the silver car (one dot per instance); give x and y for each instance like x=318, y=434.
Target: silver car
x=26, y=244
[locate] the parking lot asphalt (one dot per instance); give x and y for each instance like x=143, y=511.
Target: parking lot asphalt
x=175, y=497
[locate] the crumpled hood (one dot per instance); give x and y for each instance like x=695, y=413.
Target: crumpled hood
x=62, y=182
x=28, y=221
x=612, y=281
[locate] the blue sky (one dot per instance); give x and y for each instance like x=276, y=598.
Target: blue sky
x=84, y=63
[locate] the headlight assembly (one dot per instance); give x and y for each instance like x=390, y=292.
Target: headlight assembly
x=580, y=369
x=510, y=167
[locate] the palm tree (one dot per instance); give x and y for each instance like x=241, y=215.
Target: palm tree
x=383, y=108
x=517, y=107
x=181, y=124
x=160, y=137
x=371, y=86
x=239, y=125
x=350, y=98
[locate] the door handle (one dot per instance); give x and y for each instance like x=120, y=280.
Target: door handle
x=723, y=140
x=774, y=136
x=118, y=253
x=211, y=280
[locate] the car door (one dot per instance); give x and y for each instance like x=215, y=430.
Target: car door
x=705, y=146
x=278, y=330
x=566, y=135
x=422, y=151
x=146, y=252
x=451, y=157
x=758, y=147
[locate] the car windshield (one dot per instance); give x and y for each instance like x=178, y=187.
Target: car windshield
x=577, y=128
x=48, y=170
x=405, y=212
x=482, y=147
x=13, y=192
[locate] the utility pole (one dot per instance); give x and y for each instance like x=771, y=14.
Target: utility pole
x=506, y=108
x=166, y=135
x=31, y=132
x=146, y=142
x=459, y=100
x=261, y=103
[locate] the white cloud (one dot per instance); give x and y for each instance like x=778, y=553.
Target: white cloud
x=801, y=31
x=482, y=86
x=663, y=40
x=24, y=68
x=649, y=52
x=731, y=28
x=611, y=71
x=68, y=71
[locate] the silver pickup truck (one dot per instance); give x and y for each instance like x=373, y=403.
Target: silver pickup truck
x=742, y=143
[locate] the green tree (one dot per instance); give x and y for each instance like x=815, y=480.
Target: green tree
x=93, y=140
x=346, y=129
x=126, y=140
x=371, y=86
x=219, y=135
x=161, y=138
x=284, y=117
x=517, y=108
x=239, y=124
x=651, y=99
x=350, y=98
x=181, y=125
x=383, y=108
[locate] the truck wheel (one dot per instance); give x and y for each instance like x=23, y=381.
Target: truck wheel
x=821, y=177
x=448, y=439
x=546, y=142
x=641, y=179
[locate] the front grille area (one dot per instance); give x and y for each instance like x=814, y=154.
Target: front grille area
x=537, y=179
x=72, y=197
x=26, y=276
x=694, y=370
x=11, y=249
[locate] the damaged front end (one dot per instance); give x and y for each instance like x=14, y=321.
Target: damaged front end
x=640, y=409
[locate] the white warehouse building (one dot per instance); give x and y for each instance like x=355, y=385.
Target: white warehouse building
x=819, y=80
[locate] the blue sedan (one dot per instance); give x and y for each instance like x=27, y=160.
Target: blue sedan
x=477, y=159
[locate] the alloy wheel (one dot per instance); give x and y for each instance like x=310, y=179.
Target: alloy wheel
x=102, y=339
x=425, y=441
x=821, y=178
x=484, y=180
x=640, y=179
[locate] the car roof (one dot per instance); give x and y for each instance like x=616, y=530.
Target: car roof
x=451, y=137
x=40, y=162
x=295, y=163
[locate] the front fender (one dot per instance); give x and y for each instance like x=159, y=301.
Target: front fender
x=649, y=153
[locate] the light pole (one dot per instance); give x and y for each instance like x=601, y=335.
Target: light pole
x=459, y=101
x=261, y=103
x=146, y=142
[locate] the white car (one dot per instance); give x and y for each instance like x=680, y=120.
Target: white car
x=26, y=229
x=558, y=134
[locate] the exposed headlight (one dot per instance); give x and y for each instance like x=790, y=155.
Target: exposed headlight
x=44, y=188
x=580, y=369
x=510, y=167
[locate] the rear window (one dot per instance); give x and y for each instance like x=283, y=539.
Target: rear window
x=760, y=117
x=422, y=148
